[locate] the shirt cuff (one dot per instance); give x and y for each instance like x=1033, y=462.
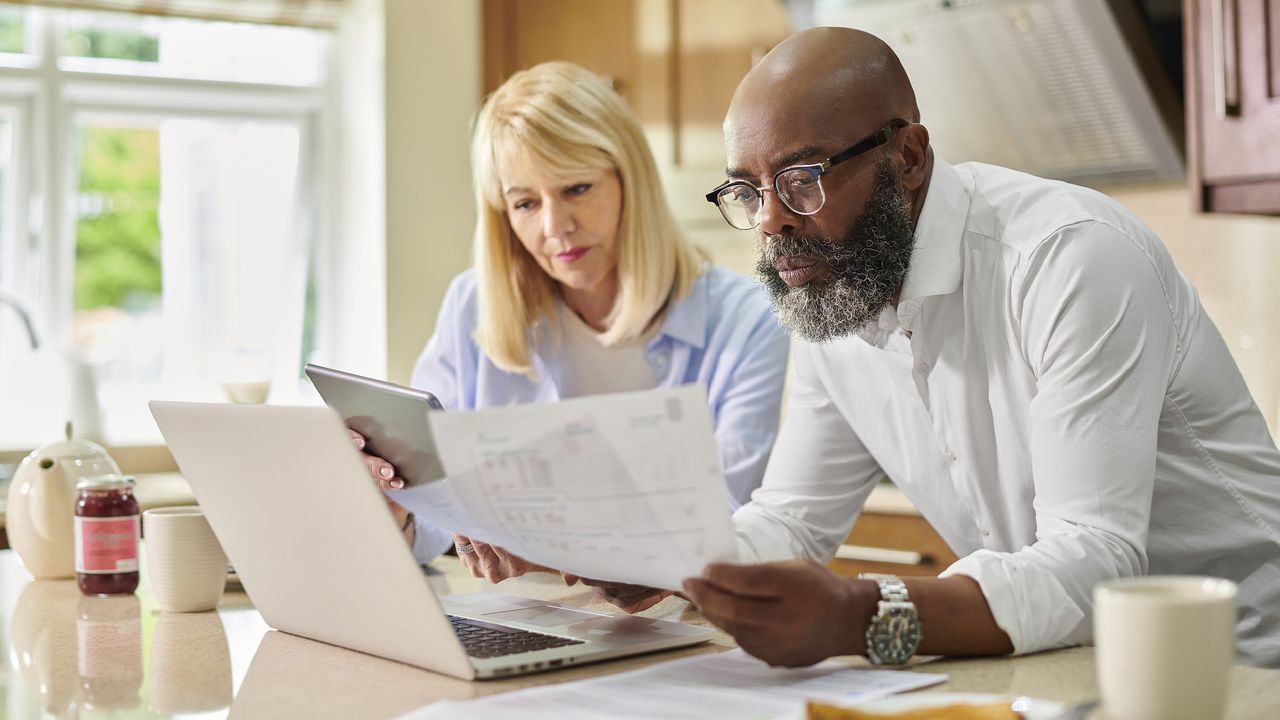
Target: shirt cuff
x=429, y=541
x=1026, y=600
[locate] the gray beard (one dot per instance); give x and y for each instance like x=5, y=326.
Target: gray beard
x=865, y=269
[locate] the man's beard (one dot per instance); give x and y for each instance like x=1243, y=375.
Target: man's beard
x=865, y=270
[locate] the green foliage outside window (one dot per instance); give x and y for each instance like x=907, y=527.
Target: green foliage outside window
x=13, y=30
x=112, y=43
x=118, y=232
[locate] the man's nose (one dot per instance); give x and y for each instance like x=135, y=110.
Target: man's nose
x=776, y=218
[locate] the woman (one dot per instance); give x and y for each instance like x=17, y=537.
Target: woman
x=583, y=284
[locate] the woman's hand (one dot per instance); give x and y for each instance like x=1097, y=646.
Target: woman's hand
x=385, y=476
x=630, y=598
x=492, y=562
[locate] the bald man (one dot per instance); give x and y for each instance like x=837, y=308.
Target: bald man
x=1020, y=356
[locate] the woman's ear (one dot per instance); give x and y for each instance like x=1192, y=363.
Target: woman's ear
x=915, y=156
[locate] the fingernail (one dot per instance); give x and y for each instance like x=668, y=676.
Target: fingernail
x=359, y=443
x=386, y=472
x=688, y=587
x=397, y=483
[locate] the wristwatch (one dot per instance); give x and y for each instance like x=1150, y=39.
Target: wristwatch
x=895, y=631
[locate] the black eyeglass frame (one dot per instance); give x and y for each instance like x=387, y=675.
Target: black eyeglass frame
x=871, y=142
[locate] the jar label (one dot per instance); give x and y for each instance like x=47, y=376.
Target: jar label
x=106, y=545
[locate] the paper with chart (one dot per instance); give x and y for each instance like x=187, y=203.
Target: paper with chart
x=626, y=487
x=729, y=684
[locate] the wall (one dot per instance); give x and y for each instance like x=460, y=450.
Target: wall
x=1234, y=261
x=432, y=90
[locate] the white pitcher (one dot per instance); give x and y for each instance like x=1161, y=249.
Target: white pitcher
x=42, y=497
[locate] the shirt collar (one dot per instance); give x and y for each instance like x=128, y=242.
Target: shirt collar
x=936, y=265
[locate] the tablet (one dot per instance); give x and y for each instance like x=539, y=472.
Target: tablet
x=392, y=418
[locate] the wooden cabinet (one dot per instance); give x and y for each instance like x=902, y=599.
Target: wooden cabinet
x=895, y=543
x=676, y=62
x=1233, y=104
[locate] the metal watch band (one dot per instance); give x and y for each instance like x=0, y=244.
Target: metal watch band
x=892, y=589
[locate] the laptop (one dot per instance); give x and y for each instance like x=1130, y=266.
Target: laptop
x=291, y=501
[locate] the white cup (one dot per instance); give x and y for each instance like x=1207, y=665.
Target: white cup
x=1165, y=646
x=185, y=563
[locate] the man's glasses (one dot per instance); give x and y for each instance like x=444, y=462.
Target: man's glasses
x=799, y=187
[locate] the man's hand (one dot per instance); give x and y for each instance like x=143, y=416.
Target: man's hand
x=630, y=598
x=791, y=613
x=492, y=562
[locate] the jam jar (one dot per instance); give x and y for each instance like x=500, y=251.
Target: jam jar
x=106, y=536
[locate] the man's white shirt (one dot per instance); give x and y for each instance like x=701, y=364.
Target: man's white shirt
x=1053, y=398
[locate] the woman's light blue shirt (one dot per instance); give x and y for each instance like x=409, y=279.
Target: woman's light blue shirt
x=722, y=335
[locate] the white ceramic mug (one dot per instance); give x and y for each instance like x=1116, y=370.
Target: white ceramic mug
x=1165, y=646
x=185, y=563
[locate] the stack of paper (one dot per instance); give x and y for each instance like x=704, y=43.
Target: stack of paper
x=624, y=488
x=729, y=685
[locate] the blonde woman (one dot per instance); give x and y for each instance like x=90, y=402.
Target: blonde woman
x=584, y=284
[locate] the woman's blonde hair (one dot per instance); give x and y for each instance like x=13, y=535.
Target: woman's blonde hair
x=563, y=118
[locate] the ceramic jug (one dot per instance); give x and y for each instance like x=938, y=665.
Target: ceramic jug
x=40, y=516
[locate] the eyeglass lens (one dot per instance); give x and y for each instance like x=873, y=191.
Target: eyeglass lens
x=800, y=189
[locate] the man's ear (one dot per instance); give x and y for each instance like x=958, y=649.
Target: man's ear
x=915, y=156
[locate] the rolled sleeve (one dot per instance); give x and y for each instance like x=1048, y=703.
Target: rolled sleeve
x=1098, y=333
x=429, y=541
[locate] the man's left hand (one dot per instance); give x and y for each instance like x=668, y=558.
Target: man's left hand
x=792, y=613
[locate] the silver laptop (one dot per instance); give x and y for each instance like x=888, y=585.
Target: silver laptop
x=308, y=532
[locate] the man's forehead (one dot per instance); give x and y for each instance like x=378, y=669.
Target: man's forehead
x=759, y=148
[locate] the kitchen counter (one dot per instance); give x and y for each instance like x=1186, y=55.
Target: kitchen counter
x=67, y=653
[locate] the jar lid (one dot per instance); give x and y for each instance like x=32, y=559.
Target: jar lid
x=106, y=482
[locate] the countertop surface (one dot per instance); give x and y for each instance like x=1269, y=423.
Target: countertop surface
x=68, y=655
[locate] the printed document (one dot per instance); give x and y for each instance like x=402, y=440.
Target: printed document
x=729, y=684
x=624, y=488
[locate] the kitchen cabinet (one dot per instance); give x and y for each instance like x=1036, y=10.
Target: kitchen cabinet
x=675, y=62
x=1233, y=104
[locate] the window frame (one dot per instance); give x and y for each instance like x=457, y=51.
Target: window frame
x=37, y=256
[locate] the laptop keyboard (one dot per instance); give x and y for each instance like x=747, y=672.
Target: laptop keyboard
x=486, y=640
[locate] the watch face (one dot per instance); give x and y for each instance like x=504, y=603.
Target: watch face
x=893, y=636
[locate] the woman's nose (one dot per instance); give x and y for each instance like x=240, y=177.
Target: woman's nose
x=557, y=219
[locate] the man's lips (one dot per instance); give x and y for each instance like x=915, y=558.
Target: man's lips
x=798, y=270
x=572, y=254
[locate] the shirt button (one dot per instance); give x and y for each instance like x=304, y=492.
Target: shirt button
x=951, y=455
x=922, y=368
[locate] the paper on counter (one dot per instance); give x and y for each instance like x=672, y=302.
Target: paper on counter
x=625, y=488
x=730, y=684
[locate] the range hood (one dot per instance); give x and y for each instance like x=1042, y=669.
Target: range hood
x=1065, y=89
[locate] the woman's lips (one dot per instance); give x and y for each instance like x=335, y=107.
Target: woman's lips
x=572, y=255
x=796, y=271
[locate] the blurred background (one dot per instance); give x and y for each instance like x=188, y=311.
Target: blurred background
x=197, y=197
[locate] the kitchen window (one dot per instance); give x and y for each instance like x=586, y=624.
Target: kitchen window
x=160, y=208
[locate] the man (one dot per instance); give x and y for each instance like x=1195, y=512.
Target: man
x=1019, y=356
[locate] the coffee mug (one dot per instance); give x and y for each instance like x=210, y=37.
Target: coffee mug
x=1165, y=646
x=185, y=563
